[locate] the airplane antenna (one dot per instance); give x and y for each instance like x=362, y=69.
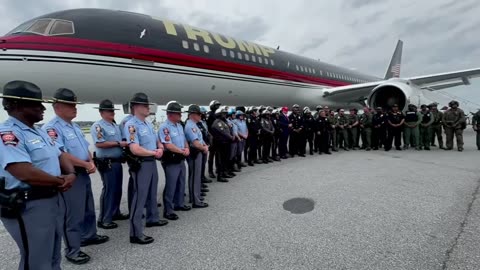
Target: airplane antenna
x=278, y=47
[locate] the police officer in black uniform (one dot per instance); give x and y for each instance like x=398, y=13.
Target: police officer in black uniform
x=309, y=122
x=222, y=139
x=322, y=133
x=379, y=132
x=214, y=105
x=296, y=132
x=267, y=135
x=395, y=127
x=253, y=129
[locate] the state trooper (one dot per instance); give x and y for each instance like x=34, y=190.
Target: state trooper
x=31, y=179
x=436, y=126
x=172, y=135
x=454, y=123
x=145, y=149
x=202, y=125
x=411, y=131
x=127, y=152
x=107, y=137
x=425, y=127
x=234, y=145
x=198, y=146
x=80, y=217
x=214, y=105
x=476, y=127
x=222, y=139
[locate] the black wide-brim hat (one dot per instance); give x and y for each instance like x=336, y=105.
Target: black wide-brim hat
x=140, y=98
x=107, y=105
x=194, y=109
x=64, y=95
x=23, y=90
x=174, y=107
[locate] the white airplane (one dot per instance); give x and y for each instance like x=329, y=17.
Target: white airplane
x=112, y=54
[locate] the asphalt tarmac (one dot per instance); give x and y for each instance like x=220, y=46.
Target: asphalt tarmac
x=350, y=210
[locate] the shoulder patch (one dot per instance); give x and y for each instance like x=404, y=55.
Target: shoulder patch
x=98, y=130
x=8, y=138
x=194, y=130
x=132, y=131
x=167, y=134
x=52, y=133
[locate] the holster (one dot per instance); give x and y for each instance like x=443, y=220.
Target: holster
x=12, y=202
x=172, y=158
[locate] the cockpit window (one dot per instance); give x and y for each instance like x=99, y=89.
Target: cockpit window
x=61, y=27
x=21, y=28
x=39, y=27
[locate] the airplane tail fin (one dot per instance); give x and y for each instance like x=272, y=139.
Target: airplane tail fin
x=393, y=70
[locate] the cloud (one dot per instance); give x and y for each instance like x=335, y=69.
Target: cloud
x=360, y=3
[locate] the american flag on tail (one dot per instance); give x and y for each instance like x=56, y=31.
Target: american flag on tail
x=395, y=70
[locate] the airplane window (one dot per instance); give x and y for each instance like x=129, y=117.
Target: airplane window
x=266, y=61
x=260, y=60
x=273, y=63
x=296, y=66
x=61, y=27
x=314, y=71
x=21, y=28
x=206, y=49
x=196, y=47
x=224, y=52
x=247, y=57
x=321, y=73
x=254, y=59
x=301, y=68
x=39, y=27
x=232, y=54
x=310, y=70
x=185, y=44
x=239, y=55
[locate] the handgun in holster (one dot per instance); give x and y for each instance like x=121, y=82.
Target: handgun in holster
x=11, y=201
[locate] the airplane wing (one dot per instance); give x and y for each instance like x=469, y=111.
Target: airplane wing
x=433, y=82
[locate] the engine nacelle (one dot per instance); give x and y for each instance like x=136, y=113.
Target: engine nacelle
x=395, y=91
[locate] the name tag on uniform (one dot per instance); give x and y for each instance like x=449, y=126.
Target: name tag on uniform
x=143, y=132
x=34, y=141
x=70, y=136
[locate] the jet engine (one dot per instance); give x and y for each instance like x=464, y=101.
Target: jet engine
x=395, y=91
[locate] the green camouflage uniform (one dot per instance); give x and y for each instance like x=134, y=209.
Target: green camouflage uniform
x=454, y=122
x=411, y=133
x=353, y=130
x=476, y=127
x=342, y=133
x=426, y=129
x=437, y=128
x=333, y=131
x=366, y=125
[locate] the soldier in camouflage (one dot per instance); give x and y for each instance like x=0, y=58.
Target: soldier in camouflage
x=454, y=123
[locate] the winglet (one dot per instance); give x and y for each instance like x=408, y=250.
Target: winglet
x=393, y=70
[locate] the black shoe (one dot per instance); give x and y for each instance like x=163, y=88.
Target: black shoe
x=107, y=226
x=202, y=199
x=212, y=175
x=159, y=223
x=206, y=180
x=223, y=180
x=236, y=170
x=203, y=194
x=204, y=186
x=182, y=208
x=241, y=164
x=143, y=240
x=202, y=205
x=258, y=162
x=171, y=216
x=328, y=153
x=276, y=159
x=283, y=157
x=96, y=240
x=226, y=176
x=427, y=148
x=311, y=153
x=159, y=205
x=205, y=190
x=81, y=258
x=231, y=174
x=335, y=150
x=368, y=149
x=251, y=164
x=121, y=217
x=398, y=148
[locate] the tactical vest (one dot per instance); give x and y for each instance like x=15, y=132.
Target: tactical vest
x=411, y=117
x=426, y=118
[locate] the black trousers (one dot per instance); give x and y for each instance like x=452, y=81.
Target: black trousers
x=309, y=139
x=276, y=140
x=211, y=157
x=266, y=146
x=282, y=144
x=252, y=148
x=394, y=133
x=323, y=141
x=222, y=157
x=379, y=136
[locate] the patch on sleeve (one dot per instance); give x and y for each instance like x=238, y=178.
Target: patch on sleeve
x=194, y=130
x=8, y=138
x=98, y=130
x=131, y=130
x=167, y=134
x=52, y=133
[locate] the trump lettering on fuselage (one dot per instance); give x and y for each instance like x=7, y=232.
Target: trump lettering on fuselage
x=197, y=34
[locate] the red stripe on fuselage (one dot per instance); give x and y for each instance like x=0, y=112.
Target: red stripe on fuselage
x=84, y=46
